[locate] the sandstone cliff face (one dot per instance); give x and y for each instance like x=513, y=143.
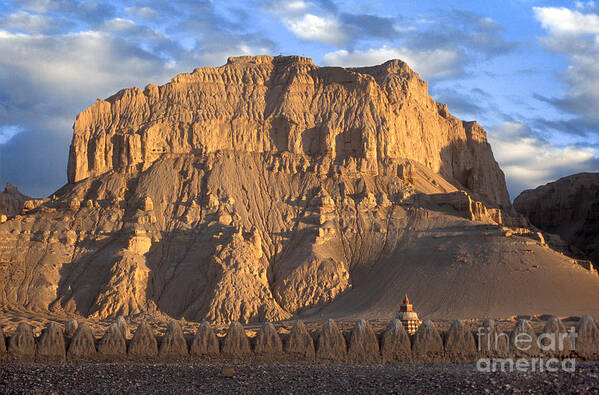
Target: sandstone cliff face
x=361, y=117
x=568, y=207
x=270, y=188
x=11, y=200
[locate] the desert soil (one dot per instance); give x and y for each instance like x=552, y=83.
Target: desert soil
x=286, y=379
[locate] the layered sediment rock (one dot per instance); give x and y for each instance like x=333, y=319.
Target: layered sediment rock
x=270, y=187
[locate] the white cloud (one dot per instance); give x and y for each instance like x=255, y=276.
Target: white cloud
x=429, y=64
x=529, y=162
x=290, y=7
x=565, y=21
x=142, y=12
x=29, y=23
x=309, y=27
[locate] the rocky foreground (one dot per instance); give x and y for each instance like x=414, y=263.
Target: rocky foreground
x=286, y=379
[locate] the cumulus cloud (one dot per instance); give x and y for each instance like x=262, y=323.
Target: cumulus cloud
x=429, y=64
x=575, y=34
x=309, y=27
x=565, y=21
x=529, y=161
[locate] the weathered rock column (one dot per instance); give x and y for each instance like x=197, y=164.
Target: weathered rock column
x=396, y=345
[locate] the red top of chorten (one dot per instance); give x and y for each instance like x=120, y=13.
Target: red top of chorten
x=406, y=306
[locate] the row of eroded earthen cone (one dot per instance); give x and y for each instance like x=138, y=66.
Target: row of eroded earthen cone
x=458, y=344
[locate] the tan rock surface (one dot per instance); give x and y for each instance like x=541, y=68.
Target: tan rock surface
x=2, y=342
x=492, y=342
x=251, y=192
x=11, y=201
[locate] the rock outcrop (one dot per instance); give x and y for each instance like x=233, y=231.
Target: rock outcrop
x=270, y=189
x=11, y=202
x=568, y=207
x=587, y=341
x=523, y=340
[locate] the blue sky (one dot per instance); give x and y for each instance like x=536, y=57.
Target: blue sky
x=527, y=70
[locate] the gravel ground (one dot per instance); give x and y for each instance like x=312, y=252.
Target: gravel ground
x=286, y=379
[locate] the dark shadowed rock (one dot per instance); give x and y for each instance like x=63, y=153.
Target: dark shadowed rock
x=2, y=342
x=395, y=345
x=51, y=345
x=83, y=344
x=22, y=342
x=113, y=344
x=70, y=327
x=173, y=343
x=459, y=344
x=205, y=341
x=143, y=344
x=554, y=341
x=363, y=344
x=587, y=342
x=427, y=345
x=268, y=340
x=331, y=344
x=523, y=339
x=122, y=325
x=300, y=343
x=236, y=342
